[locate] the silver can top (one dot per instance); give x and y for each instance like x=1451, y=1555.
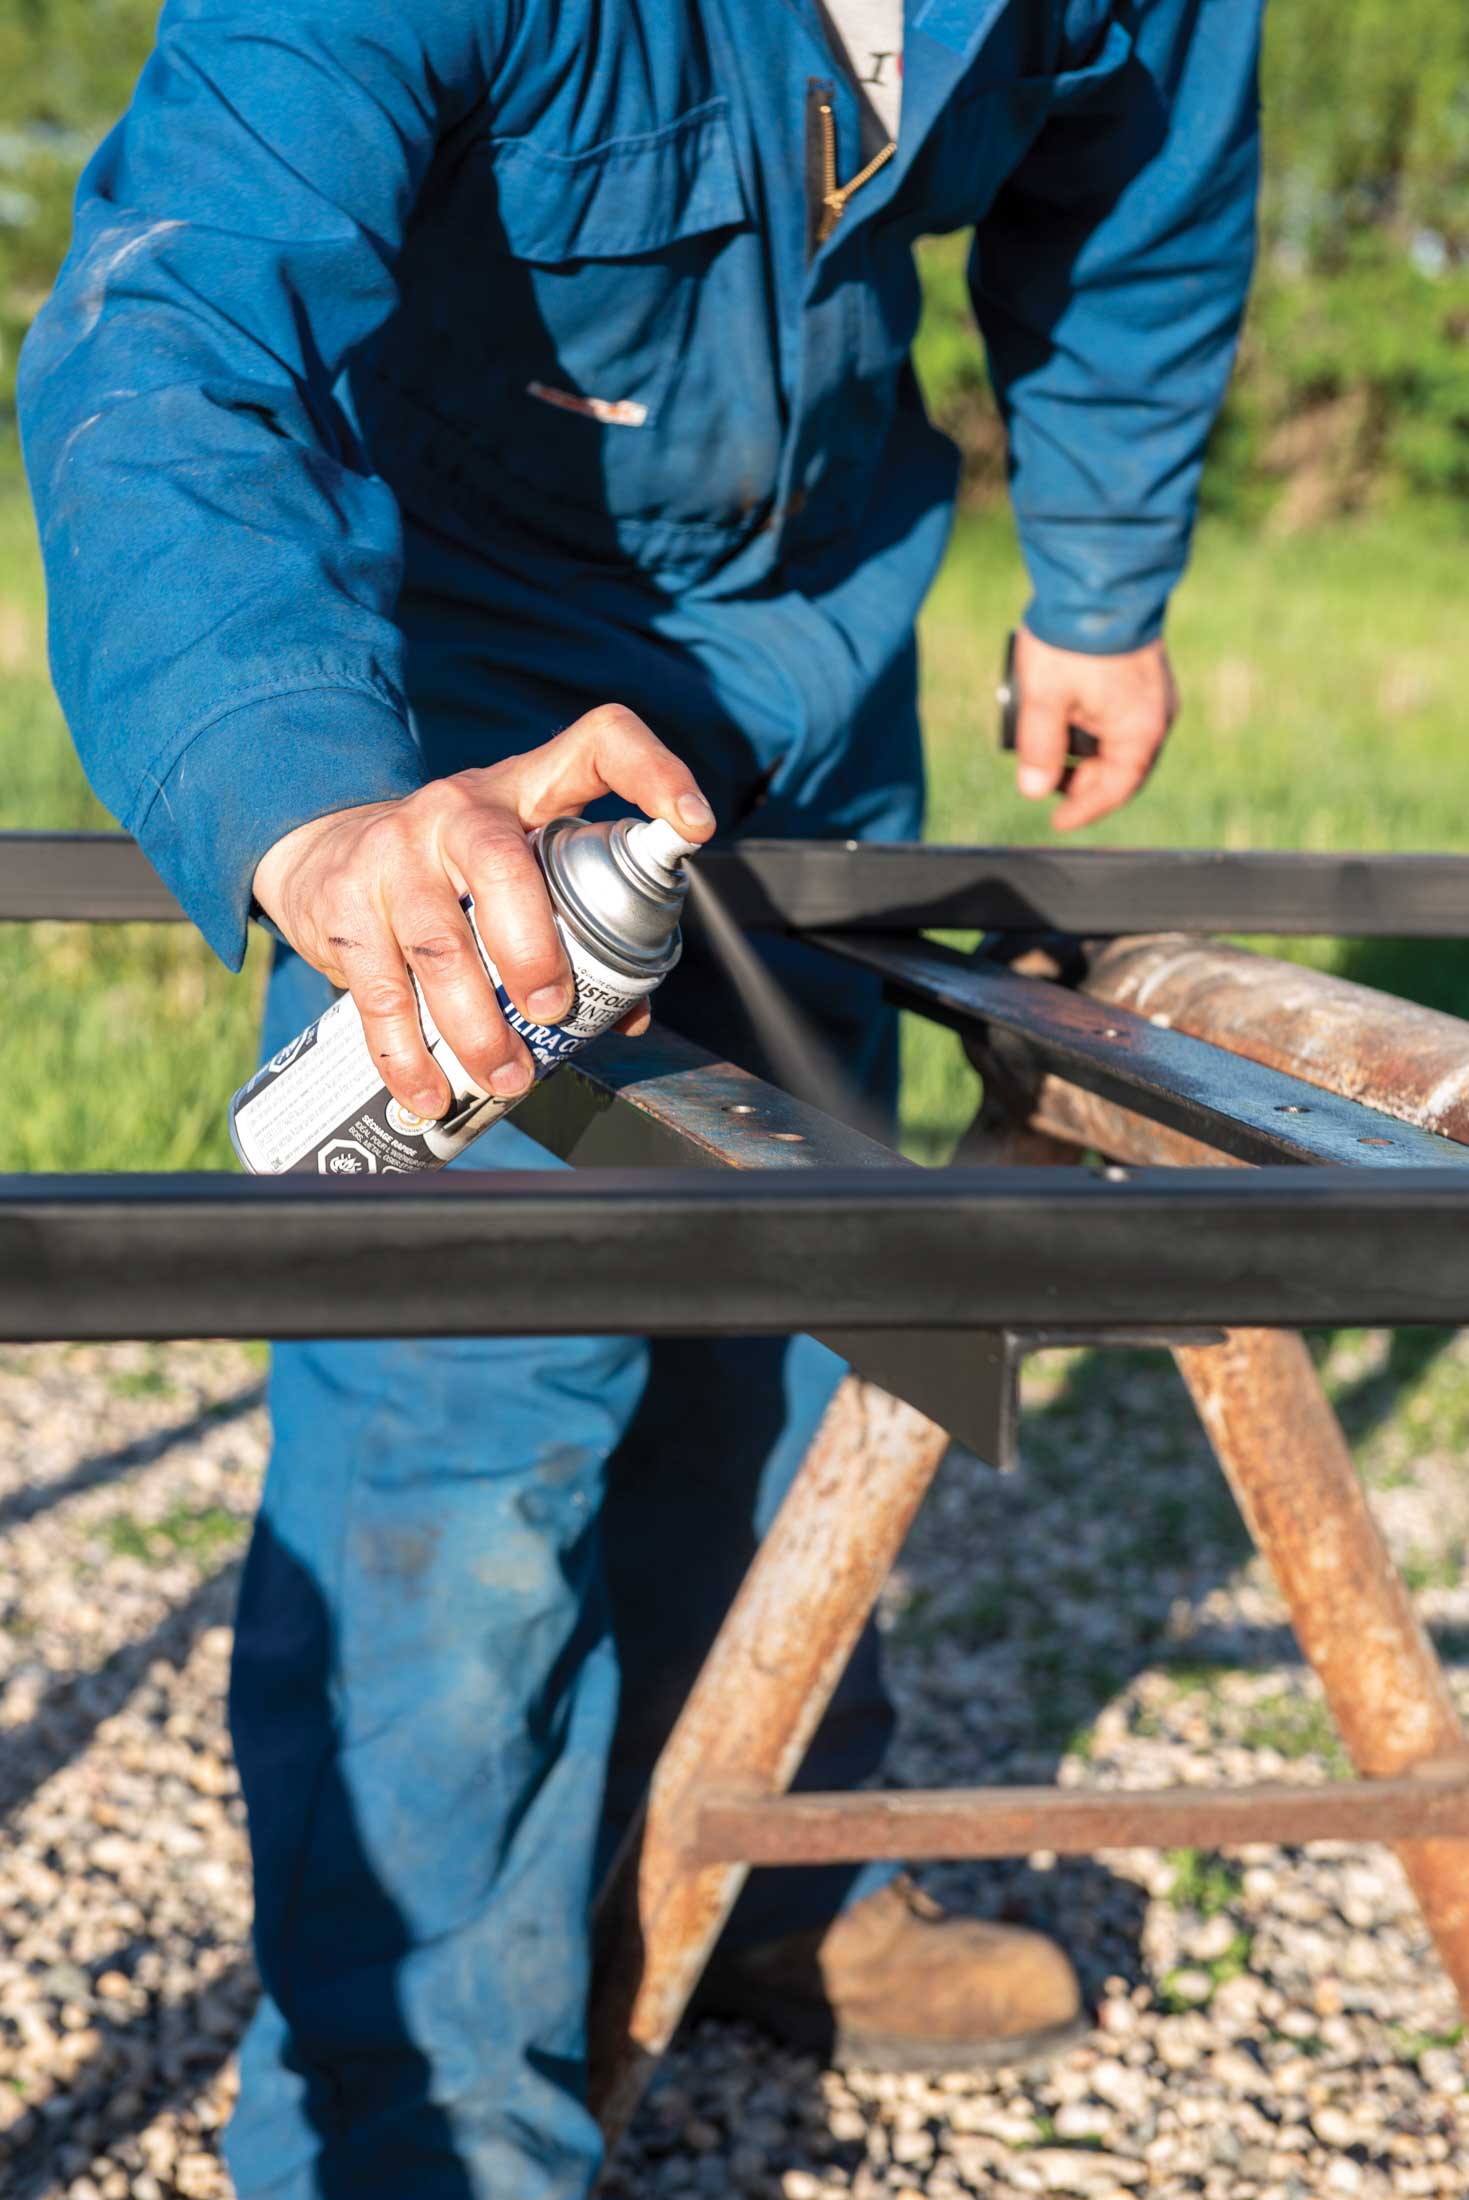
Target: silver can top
x=620, y=887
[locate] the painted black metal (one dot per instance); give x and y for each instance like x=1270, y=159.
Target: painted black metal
x=83, y=878
x=812, y=885
x=701, y=1252
x=662, y=1102
x=1238, y=1106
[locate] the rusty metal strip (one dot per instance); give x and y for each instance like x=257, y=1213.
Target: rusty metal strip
x=971, y=1822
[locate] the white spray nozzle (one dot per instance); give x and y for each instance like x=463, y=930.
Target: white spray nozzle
x=655, y=842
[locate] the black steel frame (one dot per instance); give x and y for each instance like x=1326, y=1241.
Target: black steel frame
x=814, y=885
x=930, y=1282
x=681, y=1253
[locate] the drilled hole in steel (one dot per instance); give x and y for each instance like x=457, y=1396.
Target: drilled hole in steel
x=739, y=1107
x=1114, y=1175
x=1111, y=1032
x=1376, y=1141
x=796, y=1138
x=1292, y=1109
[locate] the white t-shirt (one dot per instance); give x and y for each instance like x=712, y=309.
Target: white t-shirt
x=871, y=33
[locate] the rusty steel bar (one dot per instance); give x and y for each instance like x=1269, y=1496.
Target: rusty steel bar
x=1289, y=1465
x=1393, y=1055
x=975, y=1822
x=748, y=1720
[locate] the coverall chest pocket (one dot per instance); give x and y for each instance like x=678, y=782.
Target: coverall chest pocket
x=596, y=265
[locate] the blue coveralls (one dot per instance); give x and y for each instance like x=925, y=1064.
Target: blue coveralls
x=317, y=528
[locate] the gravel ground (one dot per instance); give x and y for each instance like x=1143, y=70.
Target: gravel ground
x=1269, y=2025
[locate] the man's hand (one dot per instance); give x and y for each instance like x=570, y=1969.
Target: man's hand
x=368, y=894
x=1128, y=702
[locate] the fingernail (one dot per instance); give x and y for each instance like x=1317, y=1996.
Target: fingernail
x=509, y=1079
x=1032, y=781
x=549, y=1003
x=694, y=810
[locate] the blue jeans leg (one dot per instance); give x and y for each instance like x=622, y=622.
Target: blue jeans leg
x=423, y=1697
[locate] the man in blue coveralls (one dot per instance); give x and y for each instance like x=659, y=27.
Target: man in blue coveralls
x=426, y=375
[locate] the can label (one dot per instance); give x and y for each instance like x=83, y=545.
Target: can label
x=319, y=1107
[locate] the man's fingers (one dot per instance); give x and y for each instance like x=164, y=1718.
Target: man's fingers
x=1098, y=786
x=438, y=946
x=373, y=968
x=513, y=912
x=637, y=1020
x=609, y=751
x=1042, y=741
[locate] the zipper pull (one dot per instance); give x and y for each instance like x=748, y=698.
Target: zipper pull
x=834, y=202
x=821, y=165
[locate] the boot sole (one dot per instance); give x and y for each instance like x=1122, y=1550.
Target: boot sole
x=841, y=2047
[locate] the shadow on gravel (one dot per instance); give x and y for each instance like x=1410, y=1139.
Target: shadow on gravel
x=1119, y=1516
x=110, y=1466
x=1119, y=1510
x=124, y=2086
x=1367, y=1404
x=73, y=1708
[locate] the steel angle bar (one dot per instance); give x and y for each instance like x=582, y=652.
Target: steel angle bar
x=967, y=1822
x=1092, y=892
x=814, y=885
x=85, y=878
x=661, y=1101
x=1227, y=1101
x=974, y=1391
x=702, y=1252
x=1410, y=1061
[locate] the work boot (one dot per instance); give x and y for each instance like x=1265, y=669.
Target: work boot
x=897, y=1983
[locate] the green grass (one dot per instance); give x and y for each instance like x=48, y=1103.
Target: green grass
x=181, y=1533
x=1203, y=1881
x=1323, y=678
x=1295, y=1726
x=125, y=1041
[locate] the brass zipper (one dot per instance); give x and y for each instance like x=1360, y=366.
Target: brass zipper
x=834, y=195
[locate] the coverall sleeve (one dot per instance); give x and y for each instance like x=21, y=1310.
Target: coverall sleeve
x=1109, y=280
x=222, y=561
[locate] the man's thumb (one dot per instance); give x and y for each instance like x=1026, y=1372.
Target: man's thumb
x=1042, y=738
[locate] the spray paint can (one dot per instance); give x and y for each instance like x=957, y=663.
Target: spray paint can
x=319, y=1107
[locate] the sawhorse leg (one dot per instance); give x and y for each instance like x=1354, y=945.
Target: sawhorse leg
x=1282, y=1449
x=748, y=1721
